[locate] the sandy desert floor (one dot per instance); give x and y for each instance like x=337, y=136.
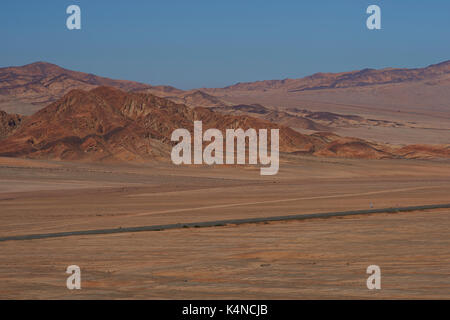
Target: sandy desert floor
x=320, y=258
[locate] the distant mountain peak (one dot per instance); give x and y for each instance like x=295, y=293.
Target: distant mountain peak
x=40, y=83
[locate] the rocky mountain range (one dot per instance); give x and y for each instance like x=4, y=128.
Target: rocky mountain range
x=54, y=113
x=108, y=124
x=29, y=88
x=359, y=78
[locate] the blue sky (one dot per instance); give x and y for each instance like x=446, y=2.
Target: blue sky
x=210, y=43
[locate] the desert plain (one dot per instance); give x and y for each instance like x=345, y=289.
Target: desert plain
x=308, y=259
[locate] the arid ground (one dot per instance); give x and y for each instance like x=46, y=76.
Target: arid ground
x=318, y=258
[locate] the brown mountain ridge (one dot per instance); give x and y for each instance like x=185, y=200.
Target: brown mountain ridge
x=28, y=88
x=359, y=78
x=107, y=124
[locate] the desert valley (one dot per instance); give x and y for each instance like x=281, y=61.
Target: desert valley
x=81, y=152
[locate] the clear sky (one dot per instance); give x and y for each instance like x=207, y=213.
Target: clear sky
x=211, y=43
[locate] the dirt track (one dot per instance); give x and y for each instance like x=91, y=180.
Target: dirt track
x=221, y=223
